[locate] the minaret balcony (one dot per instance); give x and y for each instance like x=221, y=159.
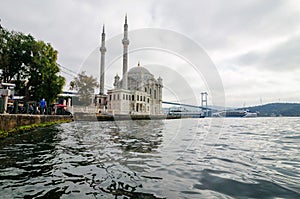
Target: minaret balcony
x=125, y=42
x=102, y=49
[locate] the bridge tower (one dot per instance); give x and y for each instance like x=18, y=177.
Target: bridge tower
x=204, y=102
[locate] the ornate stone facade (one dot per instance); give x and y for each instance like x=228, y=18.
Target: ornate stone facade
x=143, y=96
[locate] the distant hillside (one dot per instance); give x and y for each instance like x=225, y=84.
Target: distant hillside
x=276, y=109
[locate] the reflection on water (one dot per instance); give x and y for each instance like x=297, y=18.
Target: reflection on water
x=136, y=137
x=189, y=158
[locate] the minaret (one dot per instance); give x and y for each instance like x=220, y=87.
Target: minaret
x=102, y=62
x=125, y=43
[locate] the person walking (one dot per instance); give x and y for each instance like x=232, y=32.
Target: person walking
x=43, y=105
x=30, y=109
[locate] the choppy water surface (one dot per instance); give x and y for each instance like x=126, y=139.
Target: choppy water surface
x=189, y=158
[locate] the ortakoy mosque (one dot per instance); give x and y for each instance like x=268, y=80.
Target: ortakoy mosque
x=137, y=93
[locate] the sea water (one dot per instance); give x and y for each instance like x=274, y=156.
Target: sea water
x=184, y=158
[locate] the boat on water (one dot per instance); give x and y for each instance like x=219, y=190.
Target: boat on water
x=185, y=114
x=250, y=114
x=235, y=113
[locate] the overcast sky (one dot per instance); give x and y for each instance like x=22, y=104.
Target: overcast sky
x=253, y=44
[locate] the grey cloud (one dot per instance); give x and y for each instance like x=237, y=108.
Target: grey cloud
x=222, y=27
x=223, y=24
x=282, y=57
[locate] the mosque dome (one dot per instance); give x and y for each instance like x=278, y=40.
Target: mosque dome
x=139, y=70
x=139, y=76
x=139, y=73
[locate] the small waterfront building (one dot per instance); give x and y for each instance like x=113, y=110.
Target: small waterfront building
x=138, y=92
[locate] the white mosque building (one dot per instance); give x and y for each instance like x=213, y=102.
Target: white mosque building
x=137, y=93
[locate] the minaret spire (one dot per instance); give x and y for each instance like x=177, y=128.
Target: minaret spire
x=102, y=61
x=125, y=43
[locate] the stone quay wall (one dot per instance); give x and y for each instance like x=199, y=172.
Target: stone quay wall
x=11, y=121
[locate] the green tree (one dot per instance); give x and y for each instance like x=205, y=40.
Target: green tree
x=15, y=48
x=4, y=51
x=43, y=81
x=85, y=85
x=31, y=65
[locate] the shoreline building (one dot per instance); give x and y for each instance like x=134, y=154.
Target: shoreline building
x=137, y=93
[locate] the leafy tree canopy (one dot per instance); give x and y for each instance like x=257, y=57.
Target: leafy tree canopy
x=31, y=65
x=85, y=85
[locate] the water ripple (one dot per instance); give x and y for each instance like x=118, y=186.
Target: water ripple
x=189, y=158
